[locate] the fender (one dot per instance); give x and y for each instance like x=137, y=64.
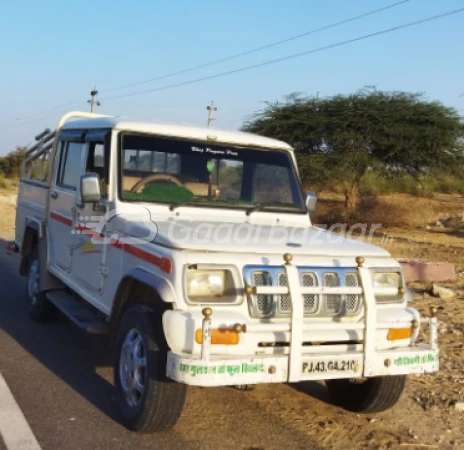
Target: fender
x=35, y=224
x=31, y=237
x=164, y=289
x=162, y=286
x=34, y=235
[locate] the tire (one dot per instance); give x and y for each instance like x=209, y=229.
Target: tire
x=373, y=395
x=245, y=387
x=147, y=400
x=39, y=307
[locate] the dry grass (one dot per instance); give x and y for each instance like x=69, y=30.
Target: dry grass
x=8, y=215
x=394, y=210
x=8, y=183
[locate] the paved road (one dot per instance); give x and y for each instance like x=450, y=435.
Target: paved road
x=61, y=379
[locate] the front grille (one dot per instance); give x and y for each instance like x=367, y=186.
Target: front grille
x=309, y=279
x=333, y=303
x=263, y=302
x=310, y=303
x=263, y=305
x=285, y=305
x=352, y=300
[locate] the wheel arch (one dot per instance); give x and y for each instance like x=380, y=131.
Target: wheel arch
x=30, y=239
x=34, y=236
x=140, y=286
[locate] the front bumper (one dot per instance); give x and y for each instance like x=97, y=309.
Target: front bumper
x=301, y=362
x=220, y=371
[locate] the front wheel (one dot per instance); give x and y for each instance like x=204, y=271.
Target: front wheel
x=371, y=396
x=148, y=401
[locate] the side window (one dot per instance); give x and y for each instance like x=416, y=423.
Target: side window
x=44, y=166
x=70, y=165
x=60, y=158
x=37, y=168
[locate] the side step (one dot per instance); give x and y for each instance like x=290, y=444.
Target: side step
x=78, y=312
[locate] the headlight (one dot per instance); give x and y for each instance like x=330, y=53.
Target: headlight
x=387, y=280
x=205, y=283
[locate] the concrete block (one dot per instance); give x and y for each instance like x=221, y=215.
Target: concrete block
x=459, y=406
x=416, y=271
x=442, y=292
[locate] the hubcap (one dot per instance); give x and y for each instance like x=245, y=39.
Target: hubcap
x=133, y=367
x=33, y=283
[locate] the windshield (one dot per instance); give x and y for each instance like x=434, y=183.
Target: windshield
x=179, y=172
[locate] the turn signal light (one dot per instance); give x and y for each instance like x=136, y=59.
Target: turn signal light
x=219, y=336
x=395, y=334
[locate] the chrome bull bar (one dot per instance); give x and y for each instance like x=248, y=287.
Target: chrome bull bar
x=297, y=326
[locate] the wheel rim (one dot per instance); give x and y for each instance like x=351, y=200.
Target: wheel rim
x=133, y=367
x=33, y=282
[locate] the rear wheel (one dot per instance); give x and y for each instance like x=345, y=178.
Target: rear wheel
x=39, y=307
x=373, y=395
x=148, y=401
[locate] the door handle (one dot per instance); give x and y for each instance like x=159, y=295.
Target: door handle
x=54, y=194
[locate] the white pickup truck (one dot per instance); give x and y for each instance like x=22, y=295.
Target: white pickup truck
x=195, y=248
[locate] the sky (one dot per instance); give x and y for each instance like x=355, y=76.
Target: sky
x=54, y=53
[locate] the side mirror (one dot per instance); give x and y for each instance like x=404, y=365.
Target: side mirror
x=311, y=202
x=90, y=188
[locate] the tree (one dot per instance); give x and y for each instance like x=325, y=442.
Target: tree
x=10, y=164
x=394, y=132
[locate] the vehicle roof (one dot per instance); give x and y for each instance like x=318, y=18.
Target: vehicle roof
x=177, y=130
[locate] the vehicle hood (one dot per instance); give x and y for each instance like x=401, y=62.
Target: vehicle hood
x=257, y=238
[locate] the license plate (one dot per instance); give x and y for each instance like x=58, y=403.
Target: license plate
x=328, y=366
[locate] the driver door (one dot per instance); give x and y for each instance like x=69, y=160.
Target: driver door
x=89, y=255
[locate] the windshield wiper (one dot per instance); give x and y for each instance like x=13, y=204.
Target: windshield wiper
x=257, y=207
x=175, y=205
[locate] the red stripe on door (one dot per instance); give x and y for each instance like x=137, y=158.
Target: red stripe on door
x=165, y=264
x=62, y=219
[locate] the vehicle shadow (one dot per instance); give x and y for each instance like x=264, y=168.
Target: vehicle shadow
x=65, y=350
x=313, y=389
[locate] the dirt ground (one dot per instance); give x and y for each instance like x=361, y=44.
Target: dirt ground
x=426, y=416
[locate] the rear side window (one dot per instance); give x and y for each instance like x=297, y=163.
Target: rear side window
x=70, y=164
